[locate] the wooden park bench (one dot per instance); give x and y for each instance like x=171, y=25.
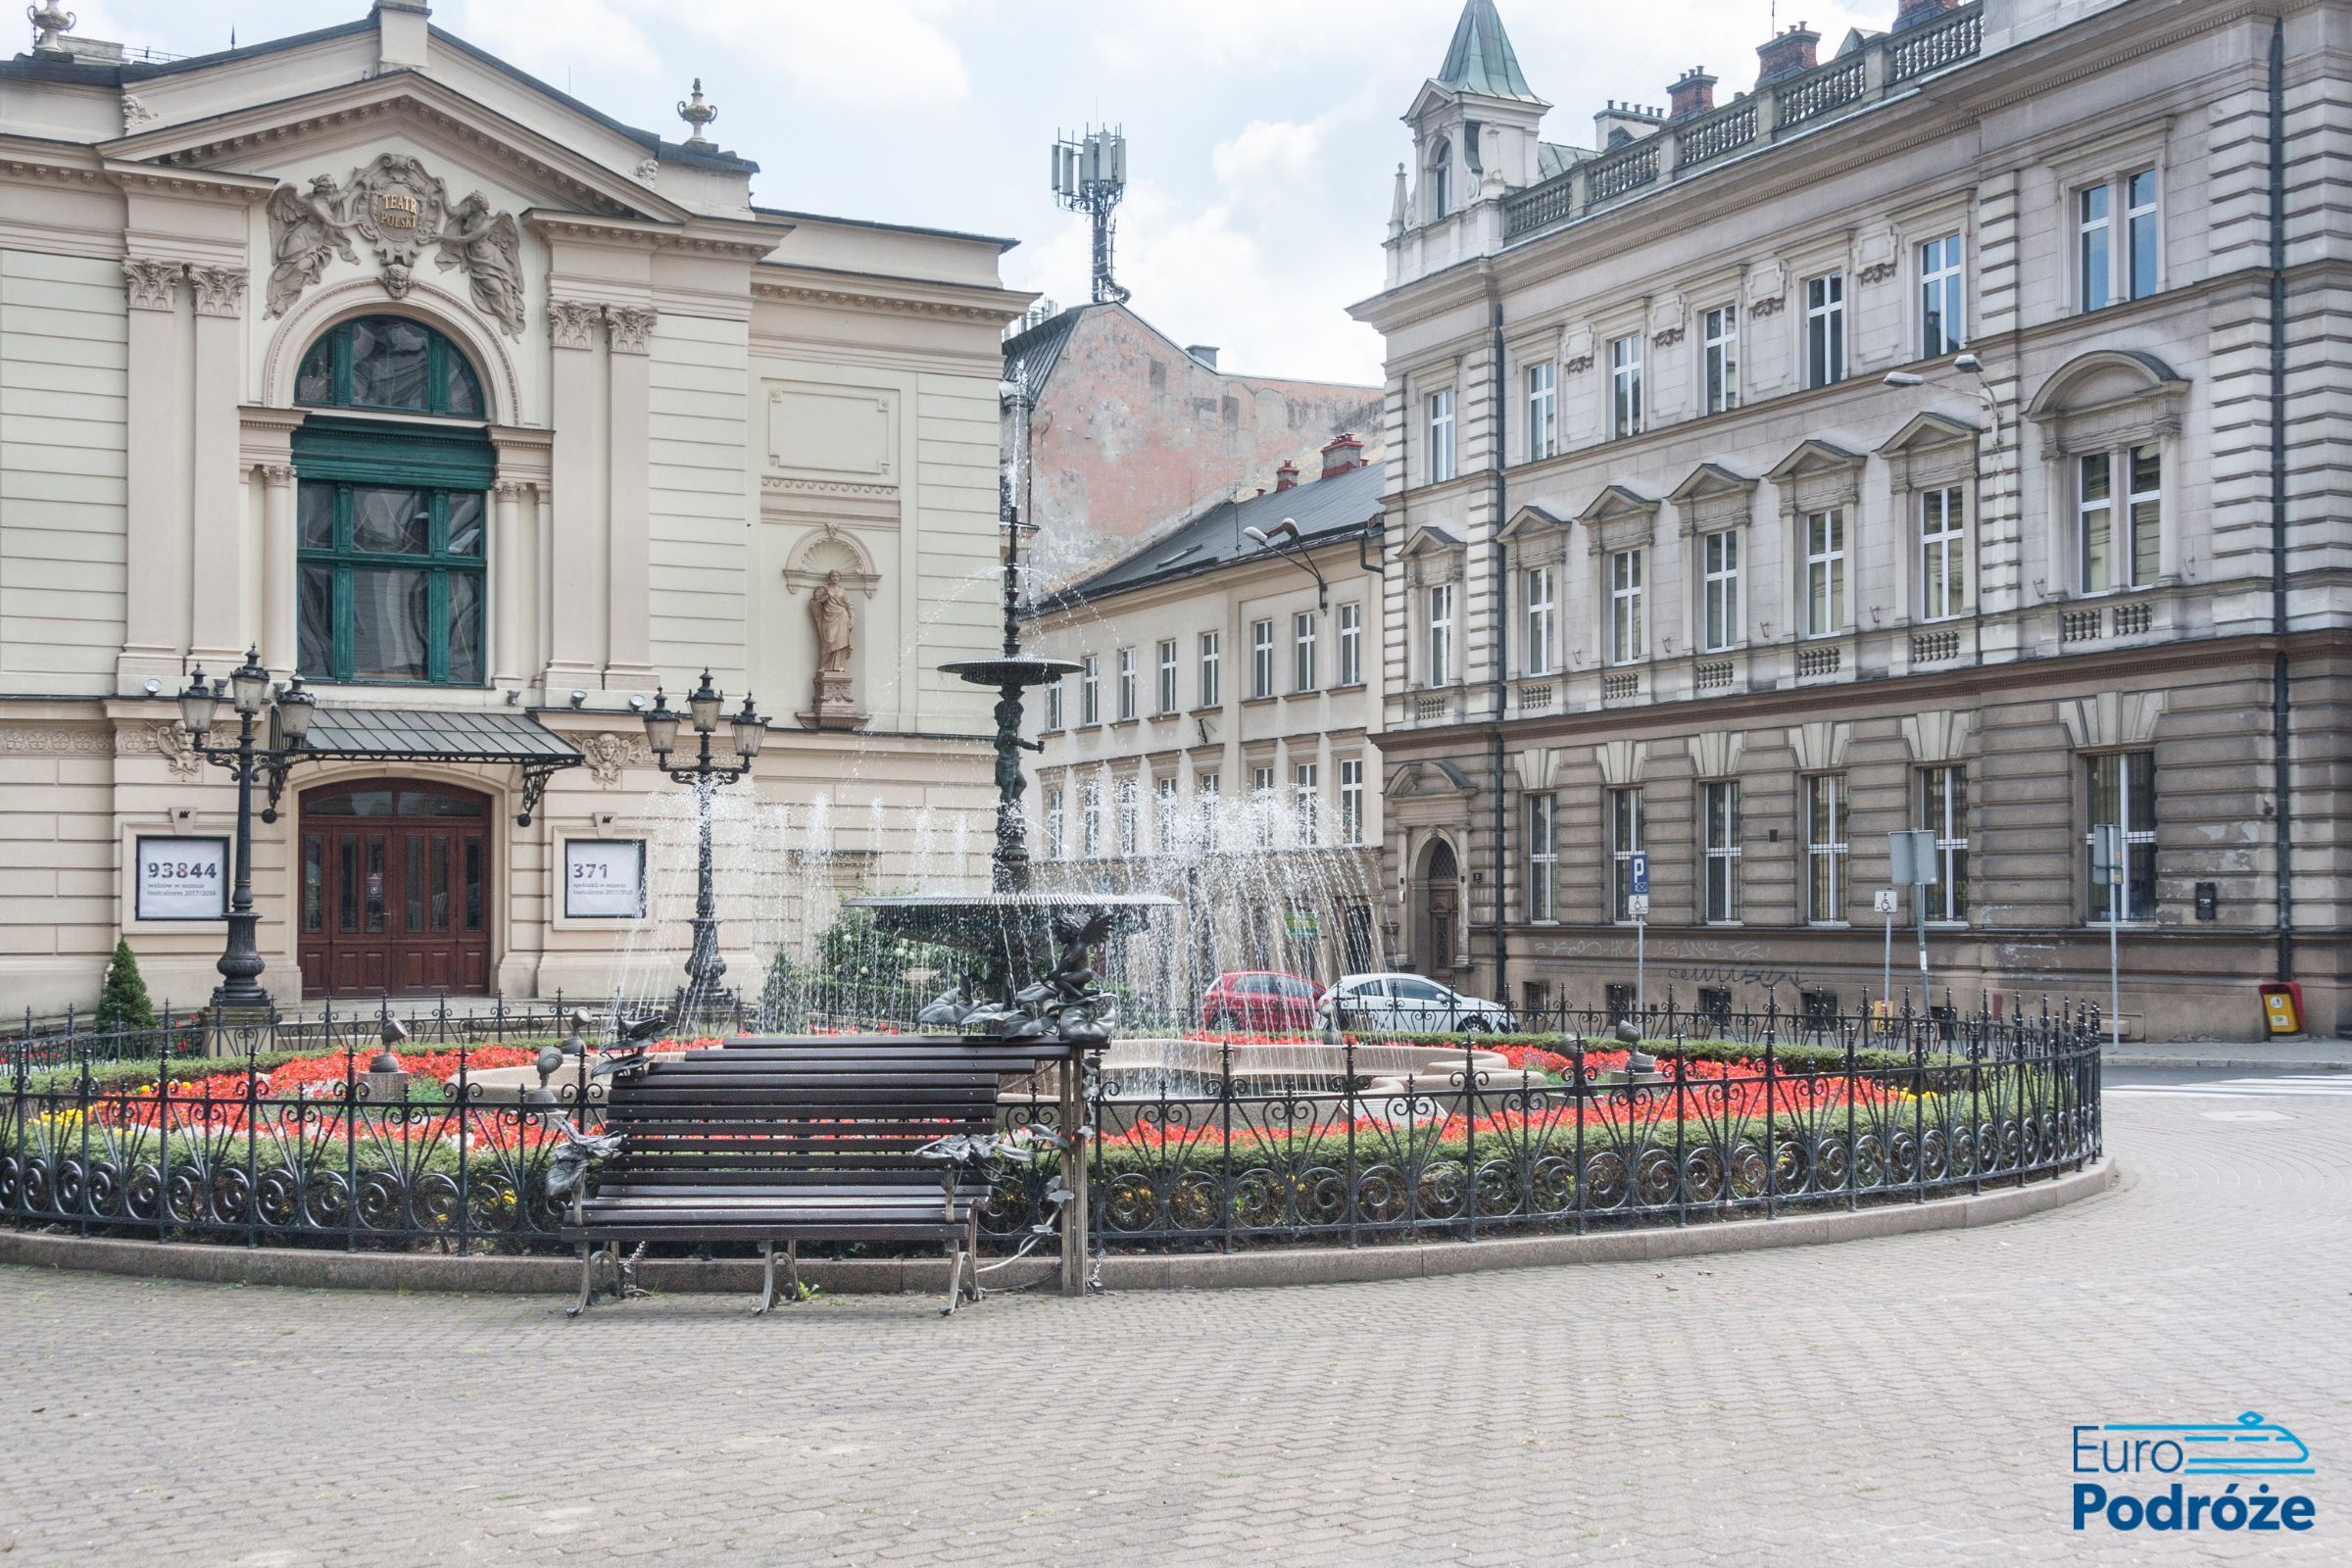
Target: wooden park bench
x=780, y=1141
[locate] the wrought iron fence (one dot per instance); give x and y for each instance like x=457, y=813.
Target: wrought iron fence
x=1741, y=1115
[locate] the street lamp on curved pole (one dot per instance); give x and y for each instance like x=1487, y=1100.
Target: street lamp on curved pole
x=246, y=689
x=705, y=705
x=1286, y=530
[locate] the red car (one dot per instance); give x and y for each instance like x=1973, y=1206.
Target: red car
x=1260, y=1000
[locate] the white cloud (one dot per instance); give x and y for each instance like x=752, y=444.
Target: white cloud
x=875, y=53
x=544, y=37
x=1266, y=148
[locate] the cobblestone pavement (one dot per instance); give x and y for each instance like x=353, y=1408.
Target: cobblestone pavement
x=1902, y=1401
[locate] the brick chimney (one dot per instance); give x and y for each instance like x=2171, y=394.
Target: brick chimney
x=1693, y=94
x=1286, y=478
x=1342, y=453
x=1786, y=55
x=1911, y=12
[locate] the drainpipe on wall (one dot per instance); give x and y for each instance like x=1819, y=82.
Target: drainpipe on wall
x=1500, y=645
x=2281, y=781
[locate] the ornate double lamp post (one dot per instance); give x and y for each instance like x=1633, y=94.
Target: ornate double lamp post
x=247, y=690
x=704, y=968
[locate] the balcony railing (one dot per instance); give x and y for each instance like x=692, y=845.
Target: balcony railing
x=1881, y=67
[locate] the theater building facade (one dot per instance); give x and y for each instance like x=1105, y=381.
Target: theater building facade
x=490, y=416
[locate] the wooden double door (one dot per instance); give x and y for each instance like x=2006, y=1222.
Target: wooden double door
x=395, y=888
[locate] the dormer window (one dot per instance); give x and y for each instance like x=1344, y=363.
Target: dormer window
x=1441, y=180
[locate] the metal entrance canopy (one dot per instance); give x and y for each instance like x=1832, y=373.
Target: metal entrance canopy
x=422, y=735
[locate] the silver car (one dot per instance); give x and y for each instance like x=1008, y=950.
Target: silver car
x=1409, y=1004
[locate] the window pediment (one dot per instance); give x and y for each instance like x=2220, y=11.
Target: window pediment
x=1619, y=519
x=1931, y=448
x=1818, y=475
x=1530, y=523
x=1713, y=497
x=2106, y=398
x=1432, y=555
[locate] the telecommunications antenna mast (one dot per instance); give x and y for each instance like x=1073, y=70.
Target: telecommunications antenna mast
x=1090, y=176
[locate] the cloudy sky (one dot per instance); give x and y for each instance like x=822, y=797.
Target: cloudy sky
x=1263, y=134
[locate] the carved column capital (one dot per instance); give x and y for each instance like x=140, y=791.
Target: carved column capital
x=513, y=489
x=152, y=282
x=632, y=327
x=219, y=290
x=276, y=475
x=571, y=322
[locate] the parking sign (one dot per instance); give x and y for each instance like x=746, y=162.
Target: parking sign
x=1641, y=874
x=1882, y=902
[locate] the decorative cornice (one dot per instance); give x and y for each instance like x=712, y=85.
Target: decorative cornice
x=922, y=297
x=632, y=327
x=571, y=323
x=152, y=283
x=405, y=94
x=219, y=290
x=58, y=742
x=827, y=487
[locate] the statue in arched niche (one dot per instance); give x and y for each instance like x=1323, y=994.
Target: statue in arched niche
x=835, y=622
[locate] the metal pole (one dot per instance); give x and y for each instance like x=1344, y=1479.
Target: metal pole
x=1641, y=962
x=2115, y=1007
x=1918, y=908
x=1886, y=967
x=240, y=962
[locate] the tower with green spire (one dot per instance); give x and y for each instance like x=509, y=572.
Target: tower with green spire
x=1475, y=124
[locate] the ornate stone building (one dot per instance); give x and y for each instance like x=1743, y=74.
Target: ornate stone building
x=1943, y=435
x=488, y=415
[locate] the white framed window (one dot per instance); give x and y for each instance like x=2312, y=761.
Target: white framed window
x=1943, y=552
x=1261, y=804
x=1718, y=851
x=1209, y=641
x=1090, y=820
x=1306, y=801
x=2123, y=793
x=1943, y=812
x=1625, y=385
x=1543, y=412
x=1825, y=572
x=1825, y=847
x=1054, y=706
x=1206, y=802
x=1719, y=589
x=1942, y=298
x=1126, y=683
x=1437, y=657
x=1625, y=606
x=1542, y=620
x=1055, y=846
x=1440, y=406
x=1824, y=329
x=1351, y=800
x=1166, y=694
x=1302, y=651
x=1090, y=690
x=1440, y=181
x=2107, y=271
x=1543, y=856
x=1351, y=645
x=1261, y=658
x=1128, y=815
x=1163, y=820
x=1719, y=341
x=1625, y=837
x=2120, y=548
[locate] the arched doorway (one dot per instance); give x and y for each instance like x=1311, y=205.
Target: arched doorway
x=1440, y=910
x=395, y=889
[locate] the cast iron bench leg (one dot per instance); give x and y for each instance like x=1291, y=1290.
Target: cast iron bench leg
x=767, y=1290
x=955, y=1279
x=791, y=1271
x=587, y=1280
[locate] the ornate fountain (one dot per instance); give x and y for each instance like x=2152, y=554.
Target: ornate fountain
x=1032, y=947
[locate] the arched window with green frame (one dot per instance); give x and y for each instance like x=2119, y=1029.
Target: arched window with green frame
x=391, y=515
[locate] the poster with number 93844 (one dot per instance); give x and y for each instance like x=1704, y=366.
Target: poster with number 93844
x=182, y=879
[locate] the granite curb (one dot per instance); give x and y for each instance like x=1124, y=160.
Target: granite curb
x=1322, y=1265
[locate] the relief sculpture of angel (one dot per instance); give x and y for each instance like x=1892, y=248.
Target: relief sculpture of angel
x=489, y=247
x=306, y=231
